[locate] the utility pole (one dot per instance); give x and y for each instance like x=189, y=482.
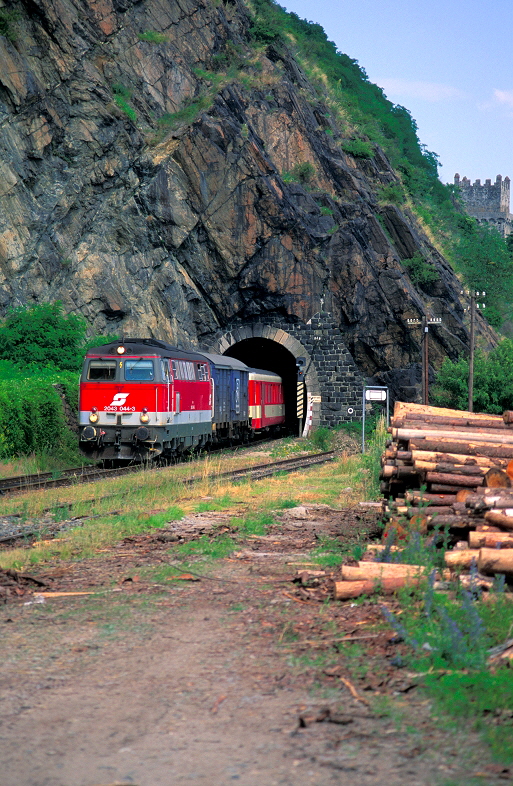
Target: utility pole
x=425, y=322
x=473, y=305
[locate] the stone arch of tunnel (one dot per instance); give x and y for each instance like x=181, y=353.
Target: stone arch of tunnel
x=333, y=383
x=275, y=350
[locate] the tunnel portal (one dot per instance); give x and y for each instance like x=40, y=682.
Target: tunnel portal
x=333, y=383
x=263, y=353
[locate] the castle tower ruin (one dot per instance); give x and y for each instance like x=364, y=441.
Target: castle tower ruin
x=487, y=203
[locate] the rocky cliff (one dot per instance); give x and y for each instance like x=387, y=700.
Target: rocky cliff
x=149, y=179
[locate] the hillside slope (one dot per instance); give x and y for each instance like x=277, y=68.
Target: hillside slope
x=164, y=173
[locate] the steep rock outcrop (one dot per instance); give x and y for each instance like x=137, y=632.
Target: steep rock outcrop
x=148, y=190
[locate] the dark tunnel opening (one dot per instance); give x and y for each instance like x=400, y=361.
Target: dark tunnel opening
x=268, y=355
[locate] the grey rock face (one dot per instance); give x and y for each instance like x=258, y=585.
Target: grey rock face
x=148, y=193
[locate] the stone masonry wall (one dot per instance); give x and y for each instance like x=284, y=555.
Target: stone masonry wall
x=333, y=382
x=488, y=203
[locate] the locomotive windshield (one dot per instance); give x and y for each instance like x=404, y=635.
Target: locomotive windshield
x=140, y=369
x=101, y=369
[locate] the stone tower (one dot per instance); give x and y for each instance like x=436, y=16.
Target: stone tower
x=488, y=203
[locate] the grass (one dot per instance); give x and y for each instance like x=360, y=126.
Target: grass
x=167, y=497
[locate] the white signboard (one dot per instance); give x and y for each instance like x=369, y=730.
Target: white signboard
x=376, y=395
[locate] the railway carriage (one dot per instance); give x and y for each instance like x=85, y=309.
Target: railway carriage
x=143, y=398
x=266, y=400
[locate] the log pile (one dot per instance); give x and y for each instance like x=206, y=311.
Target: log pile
x=452, y=471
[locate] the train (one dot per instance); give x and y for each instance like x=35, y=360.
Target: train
x=142, y=399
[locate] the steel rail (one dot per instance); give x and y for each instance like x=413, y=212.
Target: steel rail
x=255, y=472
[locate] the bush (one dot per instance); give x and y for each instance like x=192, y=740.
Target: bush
x=122, y=96
x=357, y=148
x=152, y=37
x=8, y=21
x=32, y=419
x=43, y=336
x=392, y=194
x=421, y=272
x=301, y=172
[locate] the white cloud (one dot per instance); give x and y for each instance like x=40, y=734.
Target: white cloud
x=504, y=97
x=427, y=91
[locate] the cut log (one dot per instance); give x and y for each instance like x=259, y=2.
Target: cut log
x=457, y=480
x=469, y=448
x=499, y=438
x=432, y=499
x=491, y=421
x=378, y=570
x=442, y=488
x=406, y=510
x=456, y=458
x=462, y=558
x=487, y=528
x=492, y=561
x=402, y=408
x=451, y=469
x=450, y=522
x=451, y=427
x=345, y=590
x=496, y=478
x=499, y=519
x=490, y=540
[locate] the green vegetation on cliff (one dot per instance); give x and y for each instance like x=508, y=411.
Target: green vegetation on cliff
x=367, y=118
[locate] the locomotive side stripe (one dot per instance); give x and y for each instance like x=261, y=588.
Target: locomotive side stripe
x=156, y=418
x=255, y=412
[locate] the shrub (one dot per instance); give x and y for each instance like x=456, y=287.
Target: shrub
x=357, y=148
x=392, y=194
x=8, y=21
x=421, y=272
x=32, y=419
x=122, y=96
x=152, y=37
x=301, y=172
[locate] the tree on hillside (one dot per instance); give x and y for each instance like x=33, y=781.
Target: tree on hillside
x=493, y=381
x=44, y=336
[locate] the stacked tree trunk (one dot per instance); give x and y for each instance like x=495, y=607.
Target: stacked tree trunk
x=452, y=471
x=444, y=451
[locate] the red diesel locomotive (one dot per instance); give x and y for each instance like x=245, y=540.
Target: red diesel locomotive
x=143, y=398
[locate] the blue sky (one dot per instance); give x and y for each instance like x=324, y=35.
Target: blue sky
x=450, y=62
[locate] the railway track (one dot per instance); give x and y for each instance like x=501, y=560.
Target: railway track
x=76, y=475
x=10, y=534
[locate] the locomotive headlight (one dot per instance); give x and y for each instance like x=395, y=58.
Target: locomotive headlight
x=120, y=350
x=93, y=417
x=144, y=417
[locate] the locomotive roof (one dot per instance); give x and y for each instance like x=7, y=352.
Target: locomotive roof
x=144, y=346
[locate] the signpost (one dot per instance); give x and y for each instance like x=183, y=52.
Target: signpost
x=373, y=393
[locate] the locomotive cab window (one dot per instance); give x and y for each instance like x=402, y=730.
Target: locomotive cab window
x=139, y=370
x=102, y=369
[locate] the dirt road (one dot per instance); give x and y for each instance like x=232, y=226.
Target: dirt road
x=233, y=680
